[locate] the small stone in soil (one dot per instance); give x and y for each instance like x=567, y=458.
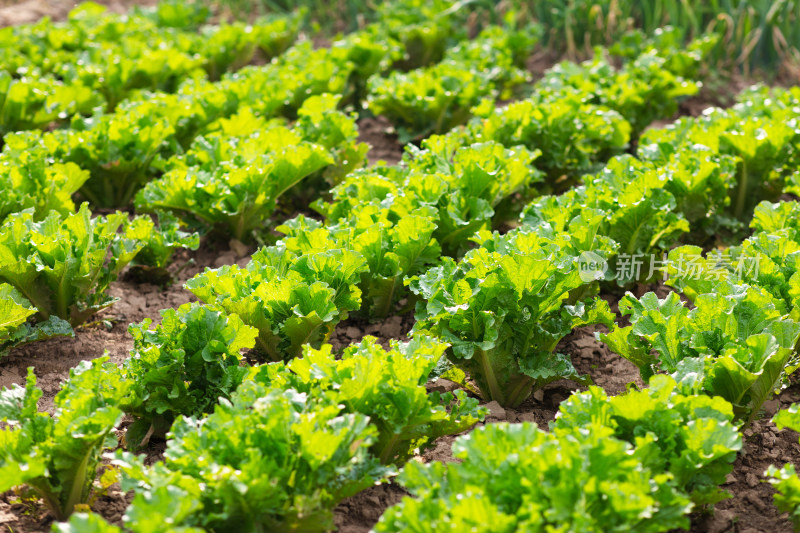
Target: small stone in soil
x=393, y=328
x=721, y=521
x=496, y=412
x=228, y=258
x=771, y=407
x=755, y=502
x=443, y=385
x=556, y=400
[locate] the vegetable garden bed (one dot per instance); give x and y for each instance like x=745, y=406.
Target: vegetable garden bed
x=287, y=202
x=749, y=509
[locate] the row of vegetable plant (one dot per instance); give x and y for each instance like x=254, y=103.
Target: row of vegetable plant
x=227, y=178
x=732, y=349
x=67, y=487
x=95, y=60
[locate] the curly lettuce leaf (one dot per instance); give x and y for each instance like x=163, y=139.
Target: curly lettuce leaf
x=387, y=386
x=269, y=460
x=58, y=456
x=291, y=300
x=182, y=367
x=504, y=308
x=64, y=265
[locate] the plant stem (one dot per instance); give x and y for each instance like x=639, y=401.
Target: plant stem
x=742, y=195
x=387, y=302
x=520, y=392
x=495, y=392
x=386, y=452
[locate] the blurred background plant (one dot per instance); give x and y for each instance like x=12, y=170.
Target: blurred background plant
x=753, y=35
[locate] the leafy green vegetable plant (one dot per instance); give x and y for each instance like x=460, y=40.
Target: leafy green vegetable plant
x=182, y=367
x=386, y=386
x=515, y=477
x=435, y=99
x=303, y=71
x=642, y=91
x=504, y=308
x=118, y=151
x=319, y=122
x=291, y=299
x=28, y=181
x=482, y=181
x=160, y=244
x=423, y=28
x=85, y=523
x=172, y=511
x=644, y=207
x=765, y=146
x=238, y=198
x=274, y=34
x=572, y=136
x=96, y=56
x=465, y=185
x=176, y=14
x=64, y=265
x=115, y=70
x=734, y=343
x=370, y=52
x=264, y=461
x=15, y=329
x=14, y=312
x=767, y=260
x=229, y=46
x=58, y=456
x=429, y=101
x=232, y=178
x=690, y=436
x=396, y=241
x=638, y=212
x=30, y=103
x=773, y=217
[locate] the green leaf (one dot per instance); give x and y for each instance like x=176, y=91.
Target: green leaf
x=504, y=308
x=265, y=459
x=388, y=386
x=64, y=265
x=737, y=339
x=522, y=478
x=58, y=455
x=291, y=298
x=182, y=367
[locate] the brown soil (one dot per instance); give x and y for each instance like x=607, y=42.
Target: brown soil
x=751, y=510
x=356, y=327
x=359, y=513
x=384, y=145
